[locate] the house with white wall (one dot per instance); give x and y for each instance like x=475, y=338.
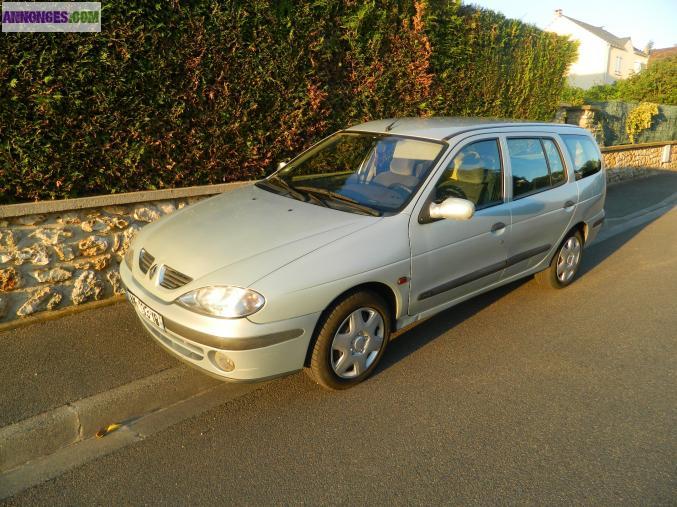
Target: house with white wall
x=602, y=57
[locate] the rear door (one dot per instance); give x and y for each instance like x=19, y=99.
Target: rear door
x=543, y=198
x=586, y=161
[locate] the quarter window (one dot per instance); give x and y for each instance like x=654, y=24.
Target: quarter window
x=584, y=154
x=557, y=174
x=475, y=174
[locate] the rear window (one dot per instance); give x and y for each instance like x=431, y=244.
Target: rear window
x=584, y=155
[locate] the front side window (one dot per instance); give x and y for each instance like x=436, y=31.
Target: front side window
x=584, y=155
x=529, y=167
x=617, y=68
x=358, y=172
x=475, y=174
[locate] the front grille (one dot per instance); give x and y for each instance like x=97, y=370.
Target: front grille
x=145, y=261
x=169, y=278
x=172, y=279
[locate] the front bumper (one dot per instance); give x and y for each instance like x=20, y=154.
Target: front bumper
x=257, y=351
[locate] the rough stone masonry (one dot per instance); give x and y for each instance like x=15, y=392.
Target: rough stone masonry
x=55, y=260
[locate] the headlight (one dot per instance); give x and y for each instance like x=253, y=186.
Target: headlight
x=226, y=302
x=129, y=257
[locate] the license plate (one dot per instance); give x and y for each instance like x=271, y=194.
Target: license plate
x=146, y=311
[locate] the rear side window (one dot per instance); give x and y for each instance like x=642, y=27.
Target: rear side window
x=584, y=154
x=529, y=167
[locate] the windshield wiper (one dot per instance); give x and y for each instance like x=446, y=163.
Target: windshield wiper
x=278, y=183
x=342, y=198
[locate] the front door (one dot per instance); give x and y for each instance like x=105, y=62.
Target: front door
x=454, y=258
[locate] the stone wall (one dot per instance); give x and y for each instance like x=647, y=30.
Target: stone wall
x=586, y=117
x=638, y=160
x=55, y=259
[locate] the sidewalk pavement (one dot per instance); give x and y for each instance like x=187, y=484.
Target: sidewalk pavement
x=63, y=379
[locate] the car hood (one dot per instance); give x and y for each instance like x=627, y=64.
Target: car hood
x=240, y=236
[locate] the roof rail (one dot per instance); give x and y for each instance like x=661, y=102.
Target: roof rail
x=507, y=125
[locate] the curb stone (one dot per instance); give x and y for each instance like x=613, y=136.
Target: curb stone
x=68, y=424
x=53, y=465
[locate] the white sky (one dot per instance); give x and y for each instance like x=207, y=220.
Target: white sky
x=641, y=20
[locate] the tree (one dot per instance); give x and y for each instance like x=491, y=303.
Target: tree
x=657, y=83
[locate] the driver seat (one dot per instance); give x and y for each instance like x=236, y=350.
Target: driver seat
x=402, y=171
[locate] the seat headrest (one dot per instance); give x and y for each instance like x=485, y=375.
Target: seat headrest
x=403, y=166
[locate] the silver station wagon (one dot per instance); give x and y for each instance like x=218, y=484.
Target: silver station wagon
x=372, y=229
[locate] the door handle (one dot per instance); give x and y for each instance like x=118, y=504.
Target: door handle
x=497, y=226
x=569, y=204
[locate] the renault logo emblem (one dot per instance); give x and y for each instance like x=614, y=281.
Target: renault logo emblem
x=160, y=270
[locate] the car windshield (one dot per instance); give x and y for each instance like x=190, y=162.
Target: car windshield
x=358, y=172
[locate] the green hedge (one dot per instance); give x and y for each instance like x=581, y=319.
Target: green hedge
x=174, y=94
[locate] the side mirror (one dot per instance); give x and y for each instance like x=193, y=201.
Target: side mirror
x=452, y=208
x=280, y=165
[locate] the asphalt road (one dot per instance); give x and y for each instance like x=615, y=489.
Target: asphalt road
x=523, y=395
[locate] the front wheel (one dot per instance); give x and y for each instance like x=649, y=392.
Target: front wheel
x=565, y=263
x=350, y=341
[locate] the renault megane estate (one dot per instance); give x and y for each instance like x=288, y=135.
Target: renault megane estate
x=372, y=229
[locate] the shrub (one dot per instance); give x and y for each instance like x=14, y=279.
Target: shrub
x=573, y=95
x=657, y=83
x=640, y=118
x=175, y=94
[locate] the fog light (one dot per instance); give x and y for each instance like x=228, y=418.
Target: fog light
x=223, y=362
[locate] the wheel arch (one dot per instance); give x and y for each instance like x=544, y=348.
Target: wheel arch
x=581, y=227
x=380, y=288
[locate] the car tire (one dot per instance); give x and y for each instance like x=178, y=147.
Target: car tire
x=351, y=340
x=565, y=263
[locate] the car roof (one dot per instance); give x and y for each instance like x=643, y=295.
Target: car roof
x=442, y=128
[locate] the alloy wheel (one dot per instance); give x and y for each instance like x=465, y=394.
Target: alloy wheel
x=568, y=259
x=357, y=343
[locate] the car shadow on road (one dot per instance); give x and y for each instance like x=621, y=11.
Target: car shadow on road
x=410, y=340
